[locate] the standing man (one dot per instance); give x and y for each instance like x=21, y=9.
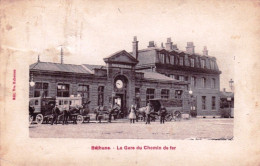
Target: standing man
x=97, y=112
x=100, y=113
x=162, y=113
x=55, y=113
x=148, y=111
x=65, y=117
x=110, y=111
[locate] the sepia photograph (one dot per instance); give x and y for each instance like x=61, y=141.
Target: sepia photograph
x=159, y=92
x=129, y=82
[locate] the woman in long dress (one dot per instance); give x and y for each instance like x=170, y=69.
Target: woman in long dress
x=132, y=115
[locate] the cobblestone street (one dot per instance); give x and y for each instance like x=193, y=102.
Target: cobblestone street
x=122, y=129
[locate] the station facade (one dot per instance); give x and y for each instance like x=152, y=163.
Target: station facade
x=134, y=78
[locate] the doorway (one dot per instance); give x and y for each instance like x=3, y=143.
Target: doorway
x=120, y=100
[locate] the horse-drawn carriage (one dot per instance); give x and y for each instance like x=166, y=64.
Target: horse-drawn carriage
x=77, y=112
x=105, y=113
x=173, y=106
x=41, y=109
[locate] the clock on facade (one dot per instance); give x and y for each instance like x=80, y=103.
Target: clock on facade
x=119, y=84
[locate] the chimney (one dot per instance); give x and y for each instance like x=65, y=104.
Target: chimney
x=169, y=44
x=190, y=48
x=174, y=47
x=151, y=44
x=162, y=45
x=135, y=48
x=205, y=51
x=61, y=55
x=39, y=58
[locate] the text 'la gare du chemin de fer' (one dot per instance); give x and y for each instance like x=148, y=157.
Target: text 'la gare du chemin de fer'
x=133, y=148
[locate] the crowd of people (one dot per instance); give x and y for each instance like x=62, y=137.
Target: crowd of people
x=112, y=111
x=148, y=110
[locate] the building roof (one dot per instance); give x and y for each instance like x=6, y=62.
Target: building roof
x=48, y=66
x=121, y=56
x=224, y=94
x=174, y=50
x=92, y=67
x=157, y=76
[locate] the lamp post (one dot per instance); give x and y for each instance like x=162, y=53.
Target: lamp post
x=32, y=83
x=191, y=98
x=231, y=82
x=229, y=99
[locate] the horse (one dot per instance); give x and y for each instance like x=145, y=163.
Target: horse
x=144, y=112
x=141, y=111
x=115, y=111
x=85, y=109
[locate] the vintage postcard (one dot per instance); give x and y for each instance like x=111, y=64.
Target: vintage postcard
x=130, y=82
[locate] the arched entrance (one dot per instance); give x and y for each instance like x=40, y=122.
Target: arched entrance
x=121, y=92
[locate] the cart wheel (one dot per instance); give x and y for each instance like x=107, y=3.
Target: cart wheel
x=30, y=119
x=60, y=118
x=87, y=119
x=39, y=119
x=169, y=117
x=177, y=115
x=80, y=119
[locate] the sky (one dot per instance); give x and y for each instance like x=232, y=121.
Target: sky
x=91, y=30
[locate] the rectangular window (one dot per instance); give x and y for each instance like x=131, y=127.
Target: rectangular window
x=83, y=91
x=203, y=82
x=167, y=59
x=172, y=76
x=178, y=94
x=213, y=83
x=203, y=102
x=172, y=59
x=181, y=78
x=161, y=58
x=149, y=94
x=100, y=96
x=203, y=63
x=41, y=88
x=63, y=90
x=213, y=103
x=165, y=93
x=192, y=62
x=193, y=81
x=181, y=61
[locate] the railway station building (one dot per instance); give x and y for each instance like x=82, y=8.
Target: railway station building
x=135, y=77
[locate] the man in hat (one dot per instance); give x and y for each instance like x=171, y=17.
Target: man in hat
x=162, y=113
x=55, y=113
